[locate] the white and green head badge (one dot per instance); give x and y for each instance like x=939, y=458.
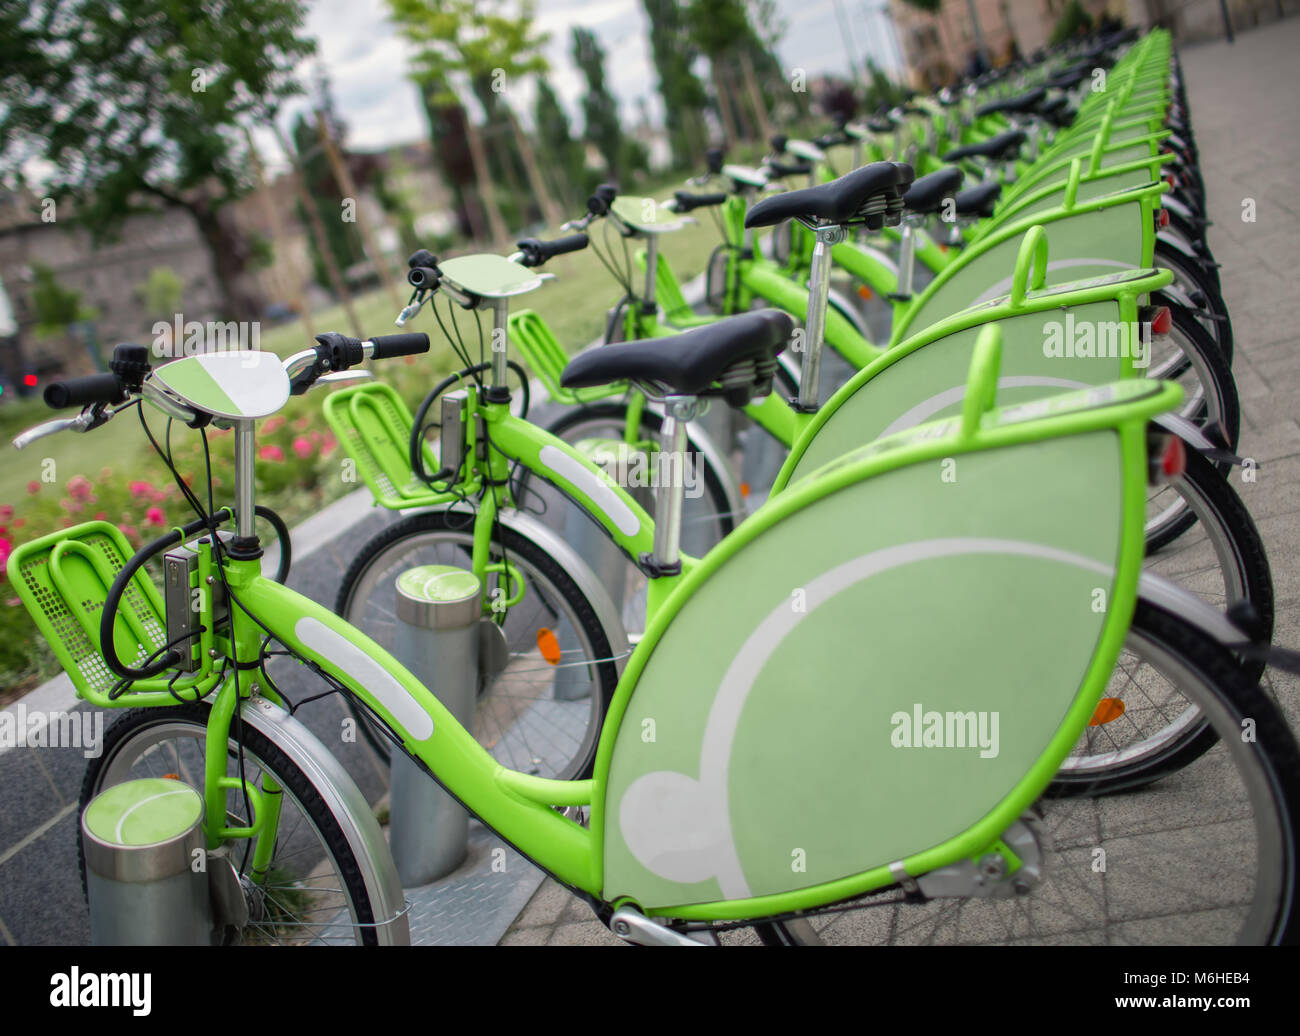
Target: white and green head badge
x=240, y=385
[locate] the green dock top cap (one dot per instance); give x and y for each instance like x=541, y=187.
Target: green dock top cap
x=143, y=812
x=438, y=583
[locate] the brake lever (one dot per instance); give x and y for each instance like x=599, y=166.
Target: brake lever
x=411, y=309
x=83, y=422
x=334, y=377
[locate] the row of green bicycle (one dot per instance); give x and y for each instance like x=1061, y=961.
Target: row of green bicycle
x=917, y=695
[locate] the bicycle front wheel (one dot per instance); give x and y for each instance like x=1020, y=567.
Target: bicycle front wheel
x=541, y=711
x=313, y=892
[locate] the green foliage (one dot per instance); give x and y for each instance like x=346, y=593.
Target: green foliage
x=56, y=306
x=718, y=26
x=682, y=92
x=558, y=151
x=343, y=238
x=928, y=6
x=880, y=89
x=599, y=108
x=160, y=294
x=1073, y=19
x=142, y=97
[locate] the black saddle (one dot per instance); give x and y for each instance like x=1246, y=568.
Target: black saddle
x=1003, y=146
x=1019, y=104
x=926, y=195
x=978, y=201
x=734, y=358
x=872, y=195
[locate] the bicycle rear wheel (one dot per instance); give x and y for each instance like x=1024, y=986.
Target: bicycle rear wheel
x=1205, y=855
x=535, y=715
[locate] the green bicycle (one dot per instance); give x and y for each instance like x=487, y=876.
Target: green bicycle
x=737, y=741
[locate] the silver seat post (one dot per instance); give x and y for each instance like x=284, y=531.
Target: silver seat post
x=906, y=256
x=651, y=270
x=670, y=486
x=819, y=284
x=245, y=479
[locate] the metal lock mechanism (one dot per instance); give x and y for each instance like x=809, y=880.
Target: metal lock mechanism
x=181, y=600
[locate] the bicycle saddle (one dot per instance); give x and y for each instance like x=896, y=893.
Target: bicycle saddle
x=735, y=358
x=871, y=195
x=978, y=201
x=926, y=195
x=1021, y=103
x=1003, y=146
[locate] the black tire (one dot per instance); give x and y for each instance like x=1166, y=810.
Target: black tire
x=135, y=726
x=1212, y=376
x=1216, y=320
x=405, y=538
x=1077, y=825
x=1239, y=544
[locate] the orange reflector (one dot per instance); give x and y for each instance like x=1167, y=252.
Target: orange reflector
x=864, y=291
x=1108, y=709
x=1174, y=460
x=744, y=489
x=943, y=248
x=1164, y=217
x=548, y=645
x=1162, y=323
x=171, y=776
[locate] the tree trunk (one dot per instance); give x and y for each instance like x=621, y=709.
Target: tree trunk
x=724, y=102
x=551, y=211
x=226, y=247
x=755, y=95
x=486, y=189
x=318, y=232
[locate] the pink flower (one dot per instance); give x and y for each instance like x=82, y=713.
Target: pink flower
x=276, y=422
x=129, y=531
x=317, y=438
x=140, y=489
x=302, y=447
x=301, y=423
x=100, y=516
x=33, y=487
x=79, y=487
x=6, y=512
x=71, y=506
x=154, y=516
x=19, y=522
x=271, y=453
x=6, y=548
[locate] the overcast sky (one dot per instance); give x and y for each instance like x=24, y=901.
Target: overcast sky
x=367, y=61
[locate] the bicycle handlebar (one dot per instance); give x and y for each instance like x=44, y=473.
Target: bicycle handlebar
x=535, y=251
x=685, y=201
x=93, y=388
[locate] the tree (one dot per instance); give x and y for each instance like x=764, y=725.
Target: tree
x=327, y=197
x=599, y=108
x=131, y=98
x=682, y=92
x=563, y=153
x=721, y=29
x=160, y=294
x=55, y=306
x=490, y=42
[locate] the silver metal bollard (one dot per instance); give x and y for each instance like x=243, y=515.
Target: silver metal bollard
x=142, y=839
x=437, y=639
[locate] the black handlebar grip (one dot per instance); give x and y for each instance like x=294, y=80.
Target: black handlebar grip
x=603, y=197
x=93, y=388
x=686, y=201
x=408, y=344
x=422, y=257
x=715, y=157
x=424, y=277
x=565, y=245
x=778, y=142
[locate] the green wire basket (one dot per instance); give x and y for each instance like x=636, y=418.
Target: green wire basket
x=63, y=580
